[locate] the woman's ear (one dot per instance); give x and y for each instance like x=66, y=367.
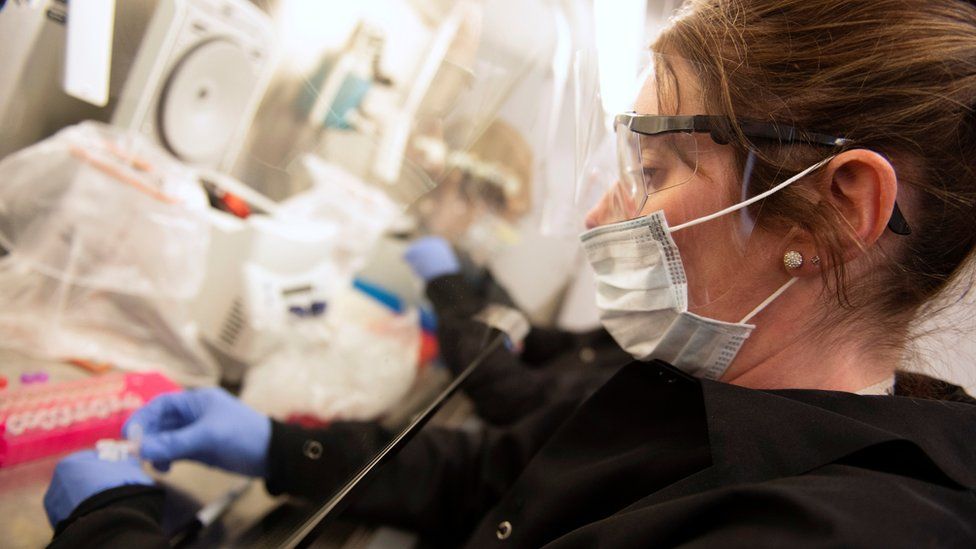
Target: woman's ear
x=861, y=186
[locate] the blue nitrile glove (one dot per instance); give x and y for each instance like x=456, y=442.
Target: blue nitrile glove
x=431, y=257
x=82, y=475
x=205, y=425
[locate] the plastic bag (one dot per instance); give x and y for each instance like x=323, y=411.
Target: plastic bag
x=354, y=364
x=106, y=240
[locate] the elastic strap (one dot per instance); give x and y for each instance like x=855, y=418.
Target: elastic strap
x=768, y=300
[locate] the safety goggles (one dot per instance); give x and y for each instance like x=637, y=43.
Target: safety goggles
x=656, y=152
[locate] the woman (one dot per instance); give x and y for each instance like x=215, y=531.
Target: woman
x=825, y=200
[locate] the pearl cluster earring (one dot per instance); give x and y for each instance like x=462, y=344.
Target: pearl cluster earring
x=793, y=260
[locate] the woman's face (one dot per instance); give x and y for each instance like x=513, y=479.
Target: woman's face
x=728, y=262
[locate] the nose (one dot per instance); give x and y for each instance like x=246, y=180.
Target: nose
x=614, y=205
x=596, y=214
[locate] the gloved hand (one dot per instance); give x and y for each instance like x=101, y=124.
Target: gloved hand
x=82, y=475
x=205, y=425
x=431, y=257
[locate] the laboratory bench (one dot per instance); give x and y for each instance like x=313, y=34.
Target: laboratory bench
x=255, y=519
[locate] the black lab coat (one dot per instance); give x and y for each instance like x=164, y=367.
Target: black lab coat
x=651, y=459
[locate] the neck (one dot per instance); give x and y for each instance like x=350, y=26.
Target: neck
x=784, y=353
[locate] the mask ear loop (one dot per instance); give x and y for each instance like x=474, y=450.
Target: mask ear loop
x=768, y=300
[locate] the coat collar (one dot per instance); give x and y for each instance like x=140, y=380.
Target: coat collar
x=791, y=432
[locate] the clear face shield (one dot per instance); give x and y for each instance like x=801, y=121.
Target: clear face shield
x=460, y=112
x=481, y=194
x=470, y=162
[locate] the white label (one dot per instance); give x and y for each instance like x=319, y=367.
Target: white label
x=88, y=51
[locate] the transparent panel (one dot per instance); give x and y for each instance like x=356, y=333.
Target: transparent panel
x=239, y=213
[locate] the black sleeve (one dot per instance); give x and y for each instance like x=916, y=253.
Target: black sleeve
x=315, y=463
x=127, y=516
x=503, y=388
x=453, y=296
x=439, y=484
x=541, y=345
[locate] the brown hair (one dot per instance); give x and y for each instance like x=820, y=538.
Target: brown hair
x=894, y=76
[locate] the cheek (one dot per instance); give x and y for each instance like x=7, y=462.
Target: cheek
x=691, y=200
x=713, y=258
x=712, y=252
x=730, y=269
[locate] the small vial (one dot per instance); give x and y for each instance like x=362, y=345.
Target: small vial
x=120, y=450
x=112, y=450
x=133, y=437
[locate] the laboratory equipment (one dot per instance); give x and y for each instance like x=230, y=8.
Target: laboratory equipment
x=264, y=269
x=92, y=366
x=38, y=420
x=36, y=98
x=198, y=77
x=429, y=346
x=340, y=82
x=258, y=270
